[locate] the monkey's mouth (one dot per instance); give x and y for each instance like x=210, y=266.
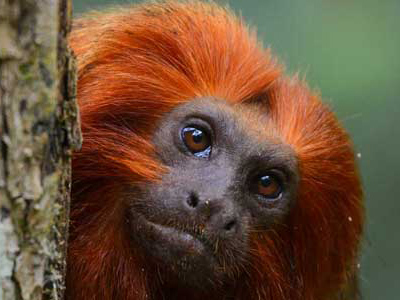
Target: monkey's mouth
x=181, y=249
x=189, y=254
x=178, y=237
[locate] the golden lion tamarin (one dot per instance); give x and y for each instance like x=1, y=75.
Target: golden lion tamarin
x=205, y=172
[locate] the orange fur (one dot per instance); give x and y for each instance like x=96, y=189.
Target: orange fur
x=134, y=65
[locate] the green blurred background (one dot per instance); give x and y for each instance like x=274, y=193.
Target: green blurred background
x=349, y=50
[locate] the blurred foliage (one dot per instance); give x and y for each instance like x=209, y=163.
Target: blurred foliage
x=349, y=50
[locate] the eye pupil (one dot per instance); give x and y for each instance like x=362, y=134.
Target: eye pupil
x=265, y=181
x=197, y=136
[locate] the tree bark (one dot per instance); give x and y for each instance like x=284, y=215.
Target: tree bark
x=38, y=130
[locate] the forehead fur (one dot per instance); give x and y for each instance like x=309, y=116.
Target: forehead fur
x=168, y=53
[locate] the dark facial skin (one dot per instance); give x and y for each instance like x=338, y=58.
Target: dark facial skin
x=225, y=179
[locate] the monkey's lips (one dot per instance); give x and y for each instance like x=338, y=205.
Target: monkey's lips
x=176, y=239
x=189, y=254
x=181, y=250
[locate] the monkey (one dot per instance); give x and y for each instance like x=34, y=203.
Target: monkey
x=205, y=171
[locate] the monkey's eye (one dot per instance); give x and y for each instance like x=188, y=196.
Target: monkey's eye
x=197, y=140
x=268, y=185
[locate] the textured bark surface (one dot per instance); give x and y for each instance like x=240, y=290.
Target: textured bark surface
x=38, y=130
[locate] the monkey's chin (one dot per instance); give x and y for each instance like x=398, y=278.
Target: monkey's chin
x=180, y=253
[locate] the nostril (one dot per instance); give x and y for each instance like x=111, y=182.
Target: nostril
x=193, y=200
x=230, y=225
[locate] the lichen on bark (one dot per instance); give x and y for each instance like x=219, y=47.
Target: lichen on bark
x=39, y=128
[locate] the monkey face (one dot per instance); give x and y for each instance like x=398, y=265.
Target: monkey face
x=225, y=180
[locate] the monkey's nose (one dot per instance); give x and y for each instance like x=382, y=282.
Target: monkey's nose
x=219, y=214
x=192, y=201
x=230, y=225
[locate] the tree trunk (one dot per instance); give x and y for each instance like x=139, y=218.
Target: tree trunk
x=38, y=130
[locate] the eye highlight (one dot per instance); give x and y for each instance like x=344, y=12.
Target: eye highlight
x=197, y=140
x=268, y=185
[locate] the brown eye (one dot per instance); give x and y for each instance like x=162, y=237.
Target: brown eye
x=269, y=186
x=197, y=141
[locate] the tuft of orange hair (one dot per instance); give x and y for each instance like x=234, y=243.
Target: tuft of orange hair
x=137, y=63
